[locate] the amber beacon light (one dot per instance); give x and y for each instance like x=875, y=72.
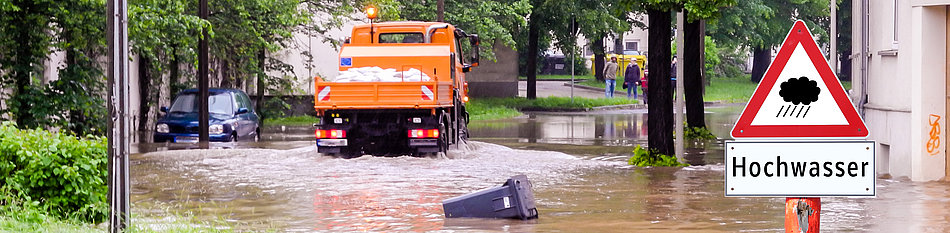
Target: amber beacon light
x=371, y=12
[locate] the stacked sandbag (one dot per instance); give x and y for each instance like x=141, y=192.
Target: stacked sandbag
x=377, y=74
x=414, y=75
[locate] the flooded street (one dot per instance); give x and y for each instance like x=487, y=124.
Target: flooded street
x=576, y=162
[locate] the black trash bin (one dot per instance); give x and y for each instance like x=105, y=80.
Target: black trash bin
x=514, y=199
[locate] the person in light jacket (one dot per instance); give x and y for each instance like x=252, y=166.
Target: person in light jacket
x=610, y=77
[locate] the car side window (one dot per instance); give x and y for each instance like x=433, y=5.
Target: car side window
x=246, y=102
x=237, y=101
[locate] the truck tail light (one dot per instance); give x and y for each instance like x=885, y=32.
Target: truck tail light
x=332, y=133
x=423, y=133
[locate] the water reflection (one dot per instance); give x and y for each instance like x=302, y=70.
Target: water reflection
x=598, y=130
x=610, y=135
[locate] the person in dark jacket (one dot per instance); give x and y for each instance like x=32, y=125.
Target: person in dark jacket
x=631, y=78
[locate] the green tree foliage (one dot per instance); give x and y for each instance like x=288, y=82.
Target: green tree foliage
x=243, y=28
x=163, y=34
x=29, y=31
x=58, y=172
x=334, y=14
x=761, y=25
x=492, y=20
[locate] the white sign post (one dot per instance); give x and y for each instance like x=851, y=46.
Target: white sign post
x=800, y=136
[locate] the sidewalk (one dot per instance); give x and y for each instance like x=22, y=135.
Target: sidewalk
x=563, y=89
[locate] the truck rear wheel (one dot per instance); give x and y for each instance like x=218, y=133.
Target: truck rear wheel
x=443, y=137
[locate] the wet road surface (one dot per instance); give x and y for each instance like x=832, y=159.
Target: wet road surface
x=576, y=163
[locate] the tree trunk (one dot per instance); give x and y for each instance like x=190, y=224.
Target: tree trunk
x=174, y=74
x=761, y=57
x=534, y=29
x=145, y=82
x=618, y=45
x=225, y=74
x=599, y=56
x=24, y=64
x=76, y=117
x=440, y=5
x=693, y=73
x=660, y=99
x=261, y=55
x=845, y=62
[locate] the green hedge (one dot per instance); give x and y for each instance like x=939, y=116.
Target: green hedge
x=61, y=173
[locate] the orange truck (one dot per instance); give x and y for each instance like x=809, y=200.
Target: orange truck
x=420, y=110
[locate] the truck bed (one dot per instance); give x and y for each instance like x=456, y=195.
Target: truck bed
x=382, y=95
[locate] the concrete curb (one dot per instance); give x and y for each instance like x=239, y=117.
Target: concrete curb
x=552, y=80
x=617, y=107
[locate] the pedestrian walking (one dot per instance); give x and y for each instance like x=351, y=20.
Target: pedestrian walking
x=673, y=74
x=610, y=77
x=631, y=78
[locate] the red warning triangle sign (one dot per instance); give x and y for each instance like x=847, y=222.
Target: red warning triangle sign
x=799, y=96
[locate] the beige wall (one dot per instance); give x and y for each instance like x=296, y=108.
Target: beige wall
x=906, y=83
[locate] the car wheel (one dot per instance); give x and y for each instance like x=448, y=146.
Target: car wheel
x=234, y=137
x=257, y=135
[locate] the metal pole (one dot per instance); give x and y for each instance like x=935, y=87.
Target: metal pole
x=802, y=214
x=573, y=47
x=678, y=112
x=203, y=76
x=118, y=127
x=833, y=54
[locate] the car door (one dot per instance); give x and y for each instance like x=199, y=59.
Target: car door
x=252, y=118
x=248, y=120
x=242, y=120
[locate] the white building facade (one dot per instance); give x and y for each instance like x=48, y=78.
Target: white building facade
x=900, y=82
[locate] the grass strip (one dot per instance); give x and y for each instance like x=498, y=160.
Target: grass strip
x=292, y=120
x=498, y=108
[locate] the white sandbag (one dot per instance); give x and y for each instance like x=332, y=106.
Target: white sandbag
x=377, y=74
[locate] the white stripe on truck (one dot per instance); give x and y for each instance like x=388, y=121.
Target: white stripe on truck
x=324, y=94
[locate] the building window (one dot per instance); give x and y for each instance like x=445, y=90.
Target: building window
x=632, y=45
x=895, y=25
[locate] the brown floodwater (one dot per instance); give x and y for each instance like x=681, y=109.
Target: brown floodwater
x=576, y=163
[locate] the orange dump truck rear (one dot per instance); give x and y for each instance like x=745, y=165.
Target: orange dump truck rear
x=401, y=90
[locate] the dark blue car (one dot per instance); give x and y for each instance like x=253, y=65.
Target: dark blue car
x=231, y=115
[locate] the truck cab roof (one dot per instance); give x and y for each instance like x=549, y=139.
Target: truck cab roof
x=405, y=32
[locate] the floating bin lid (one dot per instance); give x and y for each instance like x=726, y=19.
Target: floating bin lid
x=514, y=199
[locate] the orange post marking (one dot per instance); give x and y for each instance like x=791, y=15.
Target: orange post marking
x=802, y=214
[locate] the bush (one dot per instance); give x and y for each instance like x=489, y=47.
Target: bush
x=692, y=133
x=651, y=158
x=59, y=172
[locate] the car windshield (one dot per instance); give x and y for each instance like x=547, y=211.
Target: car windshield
x=219, y=103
